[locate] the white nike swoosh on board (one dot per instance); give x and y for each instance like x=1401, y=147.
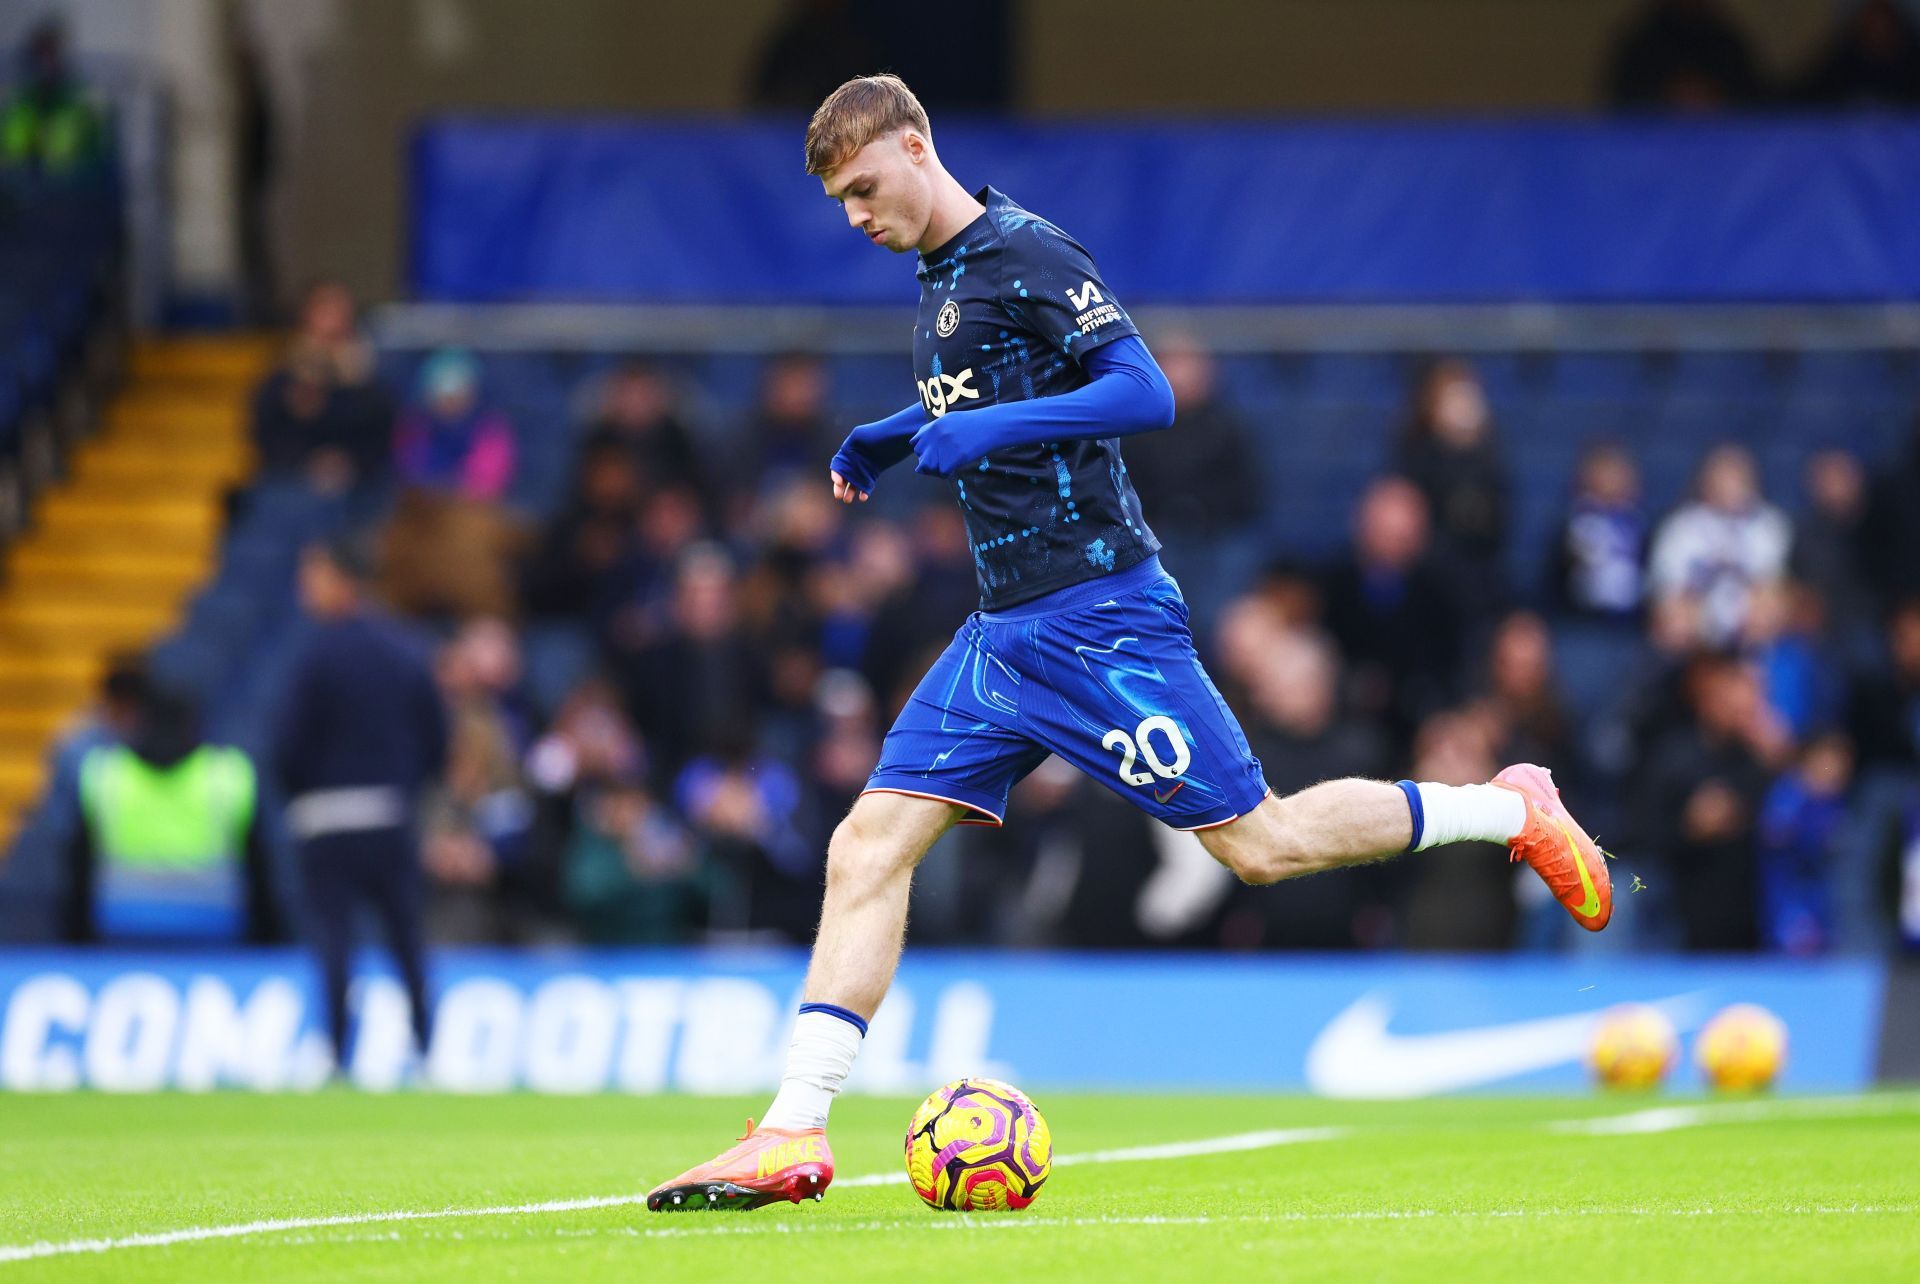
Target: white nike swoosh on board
x=1355, y=1055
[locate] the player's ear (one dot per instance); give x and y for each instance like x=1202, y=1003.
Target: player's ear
x=917, y=147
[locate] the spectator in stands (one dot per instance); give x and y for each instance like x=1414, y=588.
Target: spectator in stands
x=748, y=813
x=1199, y=484
x=1802, y=824
x=1884, y=701
x=1392, y=612
x=1892, y=543
x=323, y=416
x=485, y=666
x=361, y=733
x=798, y=529
x=633, y=874
x=849, y=594
x=49, y=125
x=478, y=825
x=1652, y=701
x=1785, y=636
x=452, y=549
x=629, y=871
x=1883, y=724
x=589, y=743
x=111, y=720
x=1201, y=479
x=169, y=846
x=1530, y=719
x=451, y=441
x=1682, y=55
x=637, y=411
x=1716, y=548
x=671, y=524
x=790, y=431
x=1697, y=797
x=1457, y=899
x=1828, y=544
x=576, y=569
x=846, y=748
x=1871, y=59
x=697, y=686
x=1448, y=449
x=1296, y=727
x=924, y=612
x=1601, y=567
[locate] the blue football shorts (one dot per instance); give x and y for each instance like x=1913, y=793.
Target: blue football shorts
x=1102, y=673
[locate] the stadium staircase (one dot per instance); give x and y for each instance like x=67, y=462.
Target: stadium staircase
x=117, y=548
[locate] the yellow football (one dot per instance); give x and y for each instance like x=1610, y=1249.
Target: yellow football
x=1634, y=1046
x=978, y=1144
x=1742, y=1048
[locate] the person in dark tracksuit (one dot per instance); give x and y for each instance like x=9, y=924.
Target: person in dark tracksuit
x=362, y=731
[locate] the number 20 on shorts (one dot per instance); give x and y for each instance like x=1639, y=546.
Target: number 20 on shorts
x=1140, y=747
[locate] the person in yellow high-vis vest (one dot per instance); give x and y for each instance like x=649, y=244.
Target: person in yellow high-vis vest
x=48, y=124
x=169, y=845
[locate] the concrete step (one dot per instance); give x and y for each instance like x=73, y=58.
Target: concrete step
x=105, y=612
x=40, y=724
x=39, y=690
x=241, y=358
x=23, y=775
x=45, y=563
x=109, y=537
x=48, y=635
x=27, y=663
x=130, y=454
x=70, y=505
x=141, y=485
x=152, y=583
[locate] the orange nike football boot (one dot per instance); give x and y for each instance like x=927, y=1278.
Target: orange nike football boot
x=763, y=1167
x=1558, y=849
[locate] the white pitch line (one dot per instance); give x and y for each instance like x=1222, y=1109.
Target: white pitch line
x=970, y=1225
x=1673, y=1118
x=160, y=1239
x=1661, y=1119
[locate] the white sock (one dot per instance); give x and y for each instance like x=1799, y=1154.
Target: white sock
x=1461, y=813
x=826, y=1039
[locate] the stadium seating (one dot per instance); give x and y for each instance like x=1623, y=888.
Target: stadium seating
x=1328, y=421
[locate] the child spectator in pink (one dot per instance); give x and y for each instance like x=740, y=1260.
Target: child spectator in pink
x=451, y=442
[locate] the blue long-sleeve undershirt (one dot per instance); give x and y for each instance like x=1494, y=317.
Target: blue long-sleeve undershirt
x=1126, y=393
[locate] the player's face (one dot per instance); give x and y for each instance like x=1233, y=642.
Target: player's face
x=886, y=190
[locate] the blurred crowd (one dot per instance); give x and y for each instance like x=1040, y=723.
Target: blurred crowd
x=1694, y=56
x=742, y=643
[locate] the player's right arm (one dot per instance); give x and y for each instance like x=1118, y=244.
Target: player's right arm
x=871, y=449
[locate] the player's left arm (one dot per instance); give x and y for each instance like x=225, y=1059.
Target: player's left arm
x=1127, y=393
x=870, y=450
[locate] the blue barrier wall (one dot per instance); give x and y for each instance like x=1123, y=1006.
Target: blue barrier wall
x=672, y=211
x=646, y=1021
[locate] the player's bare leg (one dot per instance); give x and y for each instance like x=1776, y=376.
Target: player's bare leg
x=863, y=921
x=1350, y=822
x=1334, y=823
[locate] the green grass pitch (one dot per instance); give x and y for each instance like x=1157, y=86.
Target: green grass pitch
x=1481, y=1189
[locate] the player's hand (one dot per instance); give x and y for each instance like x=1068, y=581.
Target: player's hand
x=940, y=449
x=845, y=491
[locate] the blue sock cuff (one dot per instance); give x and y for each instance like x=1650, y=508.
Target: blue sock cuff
x=853, y=1019
x=1412, y=791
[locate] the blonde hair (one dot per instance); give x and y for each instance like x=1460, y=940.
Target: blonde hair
x=863, y=109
